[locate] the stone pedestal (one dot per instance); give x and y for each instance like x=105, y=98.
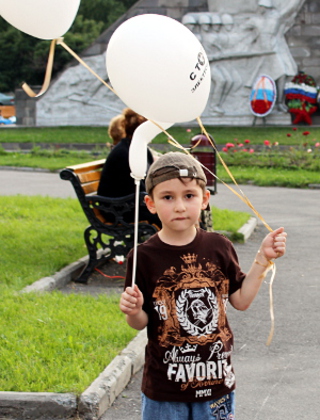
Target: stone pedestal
x=26, y=108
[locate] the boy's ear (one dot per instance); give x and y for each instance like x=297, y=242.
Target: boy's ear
x=206, y=198
x=150, y=204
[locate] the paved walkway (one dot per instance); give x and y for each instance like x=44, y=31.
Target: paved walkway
x=32, y=182
x=277, y=382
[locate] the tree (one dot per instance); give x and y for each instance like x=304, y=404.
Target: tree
x=24, y=58
x=106, y=11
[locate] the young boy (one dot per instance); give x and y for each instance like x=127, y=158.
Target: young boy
x=185, y=276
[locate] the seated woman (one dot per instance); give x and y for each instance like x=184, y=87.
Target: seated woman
x=116, y=180
x=116, y=129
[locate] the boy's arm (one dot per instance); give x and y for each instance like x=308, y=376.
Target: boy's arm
x=131, y=302
x=273, y=246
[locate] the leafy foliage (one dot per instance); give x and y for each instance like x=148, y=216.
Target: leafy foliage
x=24, y=58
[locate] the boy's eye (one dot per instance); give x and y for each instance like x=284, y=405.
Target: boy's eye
x=167, y=197
x=189, y=195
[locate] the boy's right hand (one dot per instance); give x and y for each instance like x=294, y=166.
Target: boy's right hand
x=131, y=301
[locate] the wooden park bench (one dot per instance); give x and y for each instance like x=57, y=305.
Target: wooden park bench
x=108, y=231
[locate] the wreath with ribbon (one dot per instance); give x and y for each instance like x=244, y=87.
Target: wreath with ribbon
x=301, y=97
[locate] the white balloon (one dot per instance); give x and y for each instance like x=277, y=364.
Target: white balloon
x=138, y=155
x=44, y=19
x=159, y=68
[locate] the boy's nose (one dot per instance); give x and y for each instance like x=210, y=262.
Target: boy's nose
x=180, y=205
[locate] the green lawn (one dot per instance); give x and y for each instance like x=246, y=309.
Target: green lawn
x=222, y=135
x=51, y=159
x=58, y=343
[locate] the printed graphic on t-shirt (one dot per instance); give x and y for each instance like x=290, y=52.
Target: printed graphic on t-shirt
x=191, y=305
x=197, y=311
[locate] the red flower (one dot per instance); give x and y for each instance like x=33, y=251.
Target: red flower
x=306, y=133
x=229, y=145
x=266, y=143
x=288, y=135
x=225, y=149
x=247, y=141
x=294, y=129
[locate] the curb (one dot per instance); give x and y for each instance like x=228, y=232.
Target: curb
x=59, y=279
x=243, y=233
x=25, y=169
x=99, y=396
x=103, y=391
x=37, y=405
x=247, y=229
x=91, y=404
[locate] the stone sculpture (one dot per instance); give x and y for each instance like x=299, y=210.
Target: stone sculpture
x=242, y=46
x=242, y=38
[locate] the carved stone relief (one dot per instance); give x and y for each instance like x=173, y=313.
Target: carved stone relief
x=242, y=46
x=243, y=39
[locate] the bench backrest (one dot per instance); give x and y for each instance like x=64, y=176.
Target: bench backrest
x=89, y=175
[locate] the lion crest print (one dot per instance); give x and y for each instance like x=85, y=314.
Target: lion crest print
x=191, y=303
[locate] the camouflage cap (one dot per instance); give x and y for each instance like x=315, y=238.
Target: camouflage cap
x=173, y=165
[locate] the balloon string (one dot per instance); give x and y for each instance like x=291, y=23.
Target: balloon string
x=245, y=199
x=271, y=305
x=47, y=77
x=65, y=46
x=242, y=197
x=54, y=42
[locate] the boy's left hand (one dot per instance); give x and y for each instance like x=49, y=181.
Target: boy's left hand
x=274, y=244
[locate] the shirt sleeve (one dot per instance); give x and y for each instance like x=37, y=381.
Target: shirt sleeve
x=128, y=279
x=234, y=272
x=140, y=280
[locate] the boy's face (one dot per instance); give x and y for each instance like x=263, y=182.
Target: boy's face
x=178, y=203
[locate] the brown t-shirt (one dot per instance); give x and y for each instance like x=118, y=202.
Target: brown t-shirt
x=186, y=289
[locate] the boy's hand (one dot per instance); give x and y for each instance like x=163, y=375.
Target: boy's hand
x=274, y=244
x=131, y=301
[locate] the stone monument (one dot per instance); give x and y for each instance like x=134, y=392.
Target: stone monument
x=243, y=39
